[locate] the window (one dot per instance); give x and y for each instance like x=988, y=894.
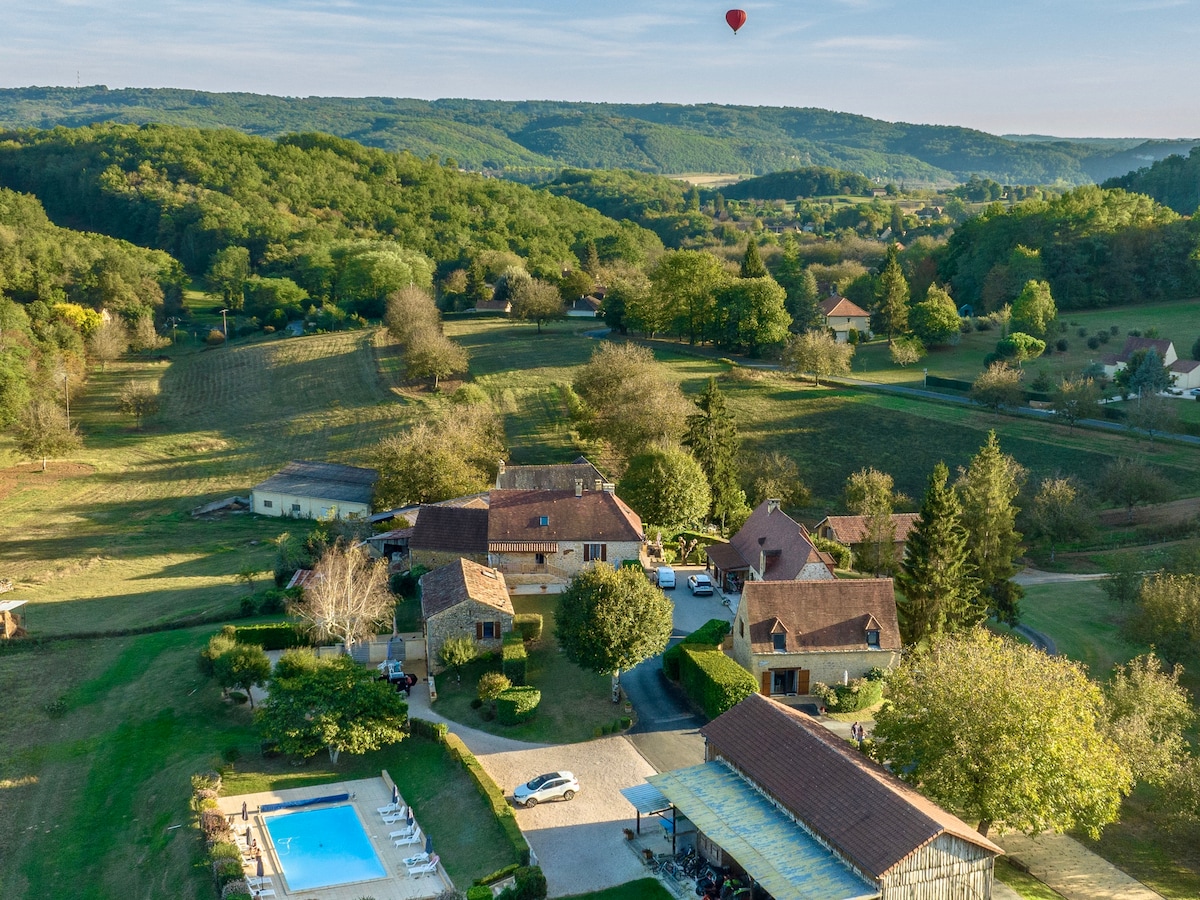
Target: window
x=539, y=558
x=487, y=631
x=268, y=504
x=873, y=639
x=595, y=552
x=295, y=507
x=741, y=628
x=780, y=640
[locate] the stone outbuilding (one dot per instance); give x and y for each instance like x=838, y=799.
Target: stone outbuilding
x=464, y=599
x=790, y=634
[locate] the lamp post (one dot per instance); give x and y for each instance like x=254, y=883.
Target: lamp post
x=224, y=325
x=173, y=321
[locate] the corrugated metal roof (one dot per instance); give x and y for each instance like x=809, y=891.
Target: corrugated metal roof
x=10, y=605
x=646, y=799
x=773, y=849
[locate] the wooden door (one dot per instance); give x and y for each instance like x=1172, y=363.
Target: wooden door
x=766, y=683
x=802, y=681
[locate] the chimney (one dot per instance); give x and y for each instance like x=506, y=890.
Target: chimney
x=609, y=487
x=772, y=504
x=762, y=558
x=578, y=487
x=501, y=467
x=599, y=484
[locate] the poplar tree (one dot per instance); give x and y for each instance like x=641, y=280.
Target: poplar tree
x=940, y=592
x=986, y=489
x=712, y=437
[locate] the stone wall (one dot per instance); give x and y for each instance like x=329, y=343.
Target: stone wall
x=460, y=620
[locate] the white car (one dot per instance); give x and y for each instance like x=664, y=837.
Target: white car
x=550, y=786
x=700, y=585
x=665, y=577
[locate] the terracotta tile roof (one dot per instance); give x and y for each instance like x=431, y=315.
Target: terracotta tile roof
x=840, y=306
x=516, y=516
x=821, y=615
x=549, y=478
x=1184, y=365
x=870, y=817
x=784, y=542
x=1134, y=344
x=462, y=580
x=456, y=529
x=853, y=529
x=322, y=481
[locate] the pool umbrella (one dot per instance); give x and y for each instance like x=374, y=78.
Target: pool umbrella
x=260, y=867
x=247, y=835
x=244, y=811
x=395, y=796
x=428, y=845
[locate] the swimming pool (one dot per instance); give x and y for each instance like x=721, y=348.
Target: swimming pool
x=322, y=847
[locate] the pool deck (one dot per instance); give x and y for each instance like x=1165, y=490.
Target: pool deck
x=367, y=795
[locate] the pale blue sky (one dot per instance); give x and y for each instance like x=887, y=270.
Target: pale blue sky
x=1064, y=67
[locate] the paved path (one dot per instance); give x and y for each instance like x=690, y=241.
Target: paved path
x=1037, y=576
x=1072, y=869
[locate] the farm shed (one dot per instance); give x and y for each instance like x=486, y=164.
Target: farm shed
x=316, y=490
x=801, y=812
x=12, y=623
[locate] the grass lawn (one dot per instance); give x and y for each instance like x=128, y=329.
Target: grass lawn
x=1083, y=622
x=1024, y=883
x=642, y=889
x=575, y=704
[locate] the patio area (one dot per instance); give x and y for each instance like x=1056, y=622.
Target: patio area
x=366, y=796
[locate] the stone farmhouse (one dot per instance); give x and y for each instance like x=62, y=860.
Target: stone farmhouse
x=771, y=546
x=464, y=599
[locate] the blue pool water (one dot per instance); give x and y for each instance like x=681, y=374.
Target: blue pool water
x=322, y=847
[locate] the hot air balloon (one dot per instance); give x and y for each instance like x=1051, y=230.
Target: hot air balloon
x=736, y=19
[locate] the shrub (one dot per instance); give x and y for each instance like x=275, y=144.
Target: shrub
x=530, y=885
x=476, y=703
x=1061, y=345
x=842, y=557
x=530, y=626
x=470, y=394
x=860, y=693
x=517, y=704
x=875, y=674
x=206, y=781
x=714, y=681
x=236, y=890
x=1114, y=330
x=431, y=731
x=213, y=824
x=710, y=635
x=227, y=870
x=983, y=324
x=852, y=337
x=1103, y=336
x=1093, y=343
x=1083, y=332
x=479, y=892
x=497, y=875
x=215, y=338
x=225, y=850
x=272, y=636
x=492, y=685
x=514, y=660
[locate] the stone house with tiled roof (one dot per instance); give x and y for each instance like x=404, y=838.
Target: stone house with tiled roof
x=902, y=845
x=792, y=634
x=464, y=599
x=561, y=477
x=842, y=315
x=770, y=546
x=852, y=531
x=551, y=535
x=445, y=533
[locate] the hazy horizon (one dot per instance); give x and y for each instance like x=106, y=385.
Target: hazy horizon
x=1106, y=69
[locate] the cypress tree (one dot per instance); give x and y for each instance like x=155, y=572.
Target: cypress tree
x=713, y=439
x=986, y=489
x=940, y=592
x=752, y=264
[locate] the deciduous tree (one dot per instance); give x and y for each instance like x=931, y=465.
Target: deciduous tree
x=871, y=493
x=430, y=354
x=1033, y=311
x=667, y=487
x=242, y=666
x=818, y=353
x=332, y=703
x=610, y=619
x=141, y=400
x=1060, y=511
x=686, y=282
x=1130, y=482
x=1167, y=615
x=1075, y=399
x=940, y=592
x=409, y=311
x=440, y=459
x=347, y=597
x=935, y=319
x=108, y=342
x=1148, y=714
x=774, y=476
x=456, y=652
x=42, y=432
x=998, y=386
x=534, y=300
x=1003, y=733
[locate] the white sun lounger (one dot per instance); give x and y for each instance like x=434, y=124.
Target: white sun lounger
x=266, y=892
x=414, y=838
x=426, y=868
x=393, y=818
x=256, y=883
x=392, y=809
x=416, y=860
x=403, y=832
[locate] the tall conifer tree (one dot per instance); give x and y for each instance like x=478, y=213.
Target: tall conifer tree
x=940, y=592
x=713, y=439
x=891, y=298
x=752, y=264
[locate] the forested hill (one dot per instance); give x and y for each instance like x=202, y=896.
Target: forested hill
x=301, y=206
x=517, y=137
x=1173, y=182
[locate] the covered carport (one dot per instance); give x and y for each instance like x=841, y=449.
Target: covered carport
x=769, y=846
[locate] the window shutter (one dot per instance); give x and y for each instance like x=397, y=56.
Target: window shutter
x=479, y=631
x=496, y=632
x=603, y=552
x=587, y=552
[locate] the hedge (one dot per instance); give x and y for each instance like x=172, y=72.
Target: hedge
x=710, y=634
x=714, y=681
x=530, y=625
x=517, y=704
x=490, y=791
x=514, y=659
x=530, y=884
x=860, y=693
x=273, y=636
x=842, y=557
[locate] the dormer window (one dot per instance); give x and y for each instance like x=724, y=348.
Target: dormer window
x=543, y=521
x=779, y=639
x=873, y=638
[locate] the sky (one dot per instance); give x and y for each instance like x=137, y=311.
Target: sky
x=1105, y=68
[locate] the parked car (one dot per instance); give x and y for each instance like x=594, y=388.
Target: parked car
x=1195, y=392
x=700, y=585
x=551, y=786
x=665, y=577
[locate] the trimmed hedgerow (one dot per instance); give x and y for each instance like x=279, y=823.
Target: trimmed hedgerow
x=529, y=624
x=517, y=704
x=860, y=693
x=529, y=884
x=514, y=658
x=710, y=635
x=713, y=681
x=491, y=793
x=273, y=636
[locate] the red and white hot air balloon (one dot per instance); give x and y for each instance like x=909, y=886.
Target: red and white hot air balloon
x=736, y=19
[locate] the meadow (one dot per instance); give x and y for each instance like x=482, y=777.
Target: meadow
x=104, y=732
